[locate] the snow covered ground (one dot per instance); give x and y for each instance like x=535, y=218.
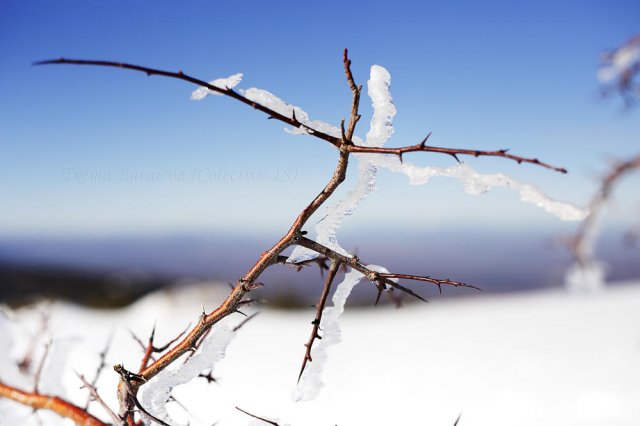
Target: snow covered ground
x=545, y=358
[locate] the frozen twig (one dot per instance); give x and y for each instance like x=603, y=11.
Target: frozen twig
x=333, y=269
x=94, y=396
x=380, y=279
x=582, y=243
x=346, y=143
x=454, y=152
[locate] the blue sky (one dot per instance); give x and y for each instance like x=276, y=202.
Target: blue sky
x=87, y=151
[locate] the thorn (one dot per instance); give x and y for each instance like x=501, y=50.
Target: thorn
x=424, y=141
x=378, y=296
x=241, y=313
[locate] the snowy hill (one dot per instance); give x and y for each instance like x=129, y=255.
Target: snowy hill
x=545, y=358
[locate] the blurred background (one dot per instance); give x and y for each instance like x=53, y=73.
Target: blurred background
x=115, y=184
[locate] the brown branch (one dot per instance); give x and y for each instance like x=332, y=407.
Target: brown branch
x=52, y=403
x=355, y=103
x=271, y=422
x=130, y=383
x=333, y=269
x=454, y=152
x=292, y=121
x=128, y=392
x=381, y=279
x=579, y=244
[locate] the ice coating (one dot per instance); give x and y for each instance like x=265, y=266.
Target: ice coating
x=310, y=382
x=380, y=131
x=477, y=183
x=156, y=393
x=273, y=102
x=223, y=83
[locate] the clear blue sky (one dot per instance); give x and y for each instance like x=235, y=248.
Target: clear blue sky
x=81, y=149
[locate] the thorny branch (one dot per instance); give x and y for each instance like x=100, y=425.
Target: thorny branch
x=130, y=382
x=52, y=403
x=579, y=243
x=333, y=269
x=293, y=121
x=94, y=396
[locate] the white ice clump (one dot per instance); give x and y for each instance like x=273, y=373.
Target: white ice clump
x=223, y=83
x=310, y=383
x=380, y=131
x=276, y=104
x=477, y=183
x=620, y=61
x=156, y=393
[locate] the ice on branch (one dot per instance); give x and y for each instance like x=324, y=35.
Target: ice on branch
x=380, y=131
x=156, y=393
x=273, y=102
x=620, y=61
x=310, y=383
x=477, y=183
x=223, y=83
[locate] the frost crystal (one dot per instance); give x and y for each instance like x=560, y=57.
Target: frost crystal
x=223, y=83
x=156, y=393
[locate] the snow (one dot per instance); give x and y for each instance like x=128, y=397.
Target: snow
x=528, y=359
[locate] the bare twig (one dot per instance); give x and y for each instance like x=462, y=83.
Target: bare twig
x=292, y=121
x=94, y=396
x=271, y=422
x=25, y=363
x=333, y=269
x=130, y=382
x=580, y=244
x=382, y=279
x=101, y=365
x=355, y=103
x=38, y=373
x=454, y=152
